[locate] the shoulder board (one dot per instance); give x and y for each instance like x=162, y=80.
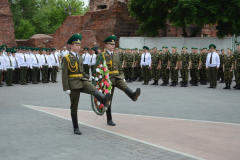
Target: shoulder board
x=66, y=55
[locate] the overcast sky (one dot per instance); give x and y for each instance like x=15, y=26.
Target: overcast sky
x=85, y=2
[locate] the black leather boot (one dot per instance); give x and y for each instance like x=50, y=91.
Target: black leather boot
x=105, y=100
x=229, y=85
x=174, y=84
x=238, y=87
x=153, y=83
x=75, y=124
x=133, y=95
x=226, y=86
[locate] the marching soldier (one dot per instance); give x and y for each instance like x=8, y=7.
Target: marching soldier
x=130, y=65
x=146, y=64
x=75, y=80
x=196, y=62
x=92, y=59
x=45, y=62
x=155, y=65
x=228, y=65
x=185, y=64
x=220, y=71
x=8, y=67
x=85, y=57
x=116, y=74
x=174, y=63
x=55, y=65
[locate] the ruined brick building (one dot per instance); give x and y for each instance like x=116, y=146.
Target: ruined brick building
x=6, y=25
x=105, y=17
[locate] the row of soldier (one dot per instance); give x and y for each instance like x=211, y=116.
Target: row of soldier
x=24, y=64
x=145, y=64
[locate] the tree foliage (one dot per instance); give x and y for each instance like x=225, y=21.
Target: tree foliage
x=25, y=29
x=153, y=14
x=45, y=15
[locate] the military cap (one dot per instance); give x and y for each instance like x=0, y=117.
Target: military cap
x=4, y=45
x=212, y=45
x=110, y=39
x=222, y=49
x=237, y=44
x=217, y=50
x=174, y=47
x=136, y=49
x=76, y=38
x=47, y=49
x=192, y=47
x=160, y=50
x=44, y=49
x=145, y=47
x=53, y=49
x=184, y=47
x=85, y=49
x=195, y=48
x=165, y=47
x=23, y=48
x=154, y=47
x=205, y=48
x=8, y=50
x=93, y=49
x=13, y=51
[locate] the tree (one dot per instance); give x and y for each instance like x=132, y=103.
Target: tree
x=25, y=30
x=183, y=13
x=45, y=15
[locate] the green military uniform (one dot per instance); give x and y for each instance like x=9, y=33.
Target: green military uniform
x=116, y=76
x=220, y=70
x=1, y=65
x=191, y=70
x=139, y=69
x=155, y=71
x=196, y=59
x=136, y=70
x=164, y=58
x=174, y=59
x=75, y=80
x=185, y=59
x=228, y=63
x=130, y=70
x=203, y=71
x=236, y=58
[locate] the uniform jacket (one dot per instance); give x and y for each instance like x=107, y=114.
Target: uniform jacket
x=69, y=68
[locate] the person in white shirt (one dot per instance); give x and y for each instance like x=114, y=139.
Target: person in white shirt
x=212, y=65
x=16, y=73
x=8, y=66
x=29, y=71
x=44, y=60
x=86, y=57
x=64, y=52
x=23, y=63
x=54, y=64
x=35, y=65
x=92, y=60
x=146, y=64
x=1, y=66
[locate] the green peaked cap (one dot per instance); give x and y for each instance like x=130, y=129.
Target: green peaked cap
x=145, y=47
x=76, y=38
x=110, y=39
x=212, y=45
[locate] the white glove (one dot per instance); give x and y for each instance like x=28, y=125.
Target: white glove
x=91, y=78
x=67, y=91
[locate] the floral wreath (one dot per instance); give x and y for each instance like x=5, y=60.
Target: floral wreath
x=103, y=84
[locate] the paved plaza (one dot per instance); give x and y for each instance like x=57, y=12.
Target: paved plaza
x=166, y=123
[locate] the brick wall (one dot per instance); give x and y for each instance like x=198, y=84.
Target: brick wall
x=6, y=25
